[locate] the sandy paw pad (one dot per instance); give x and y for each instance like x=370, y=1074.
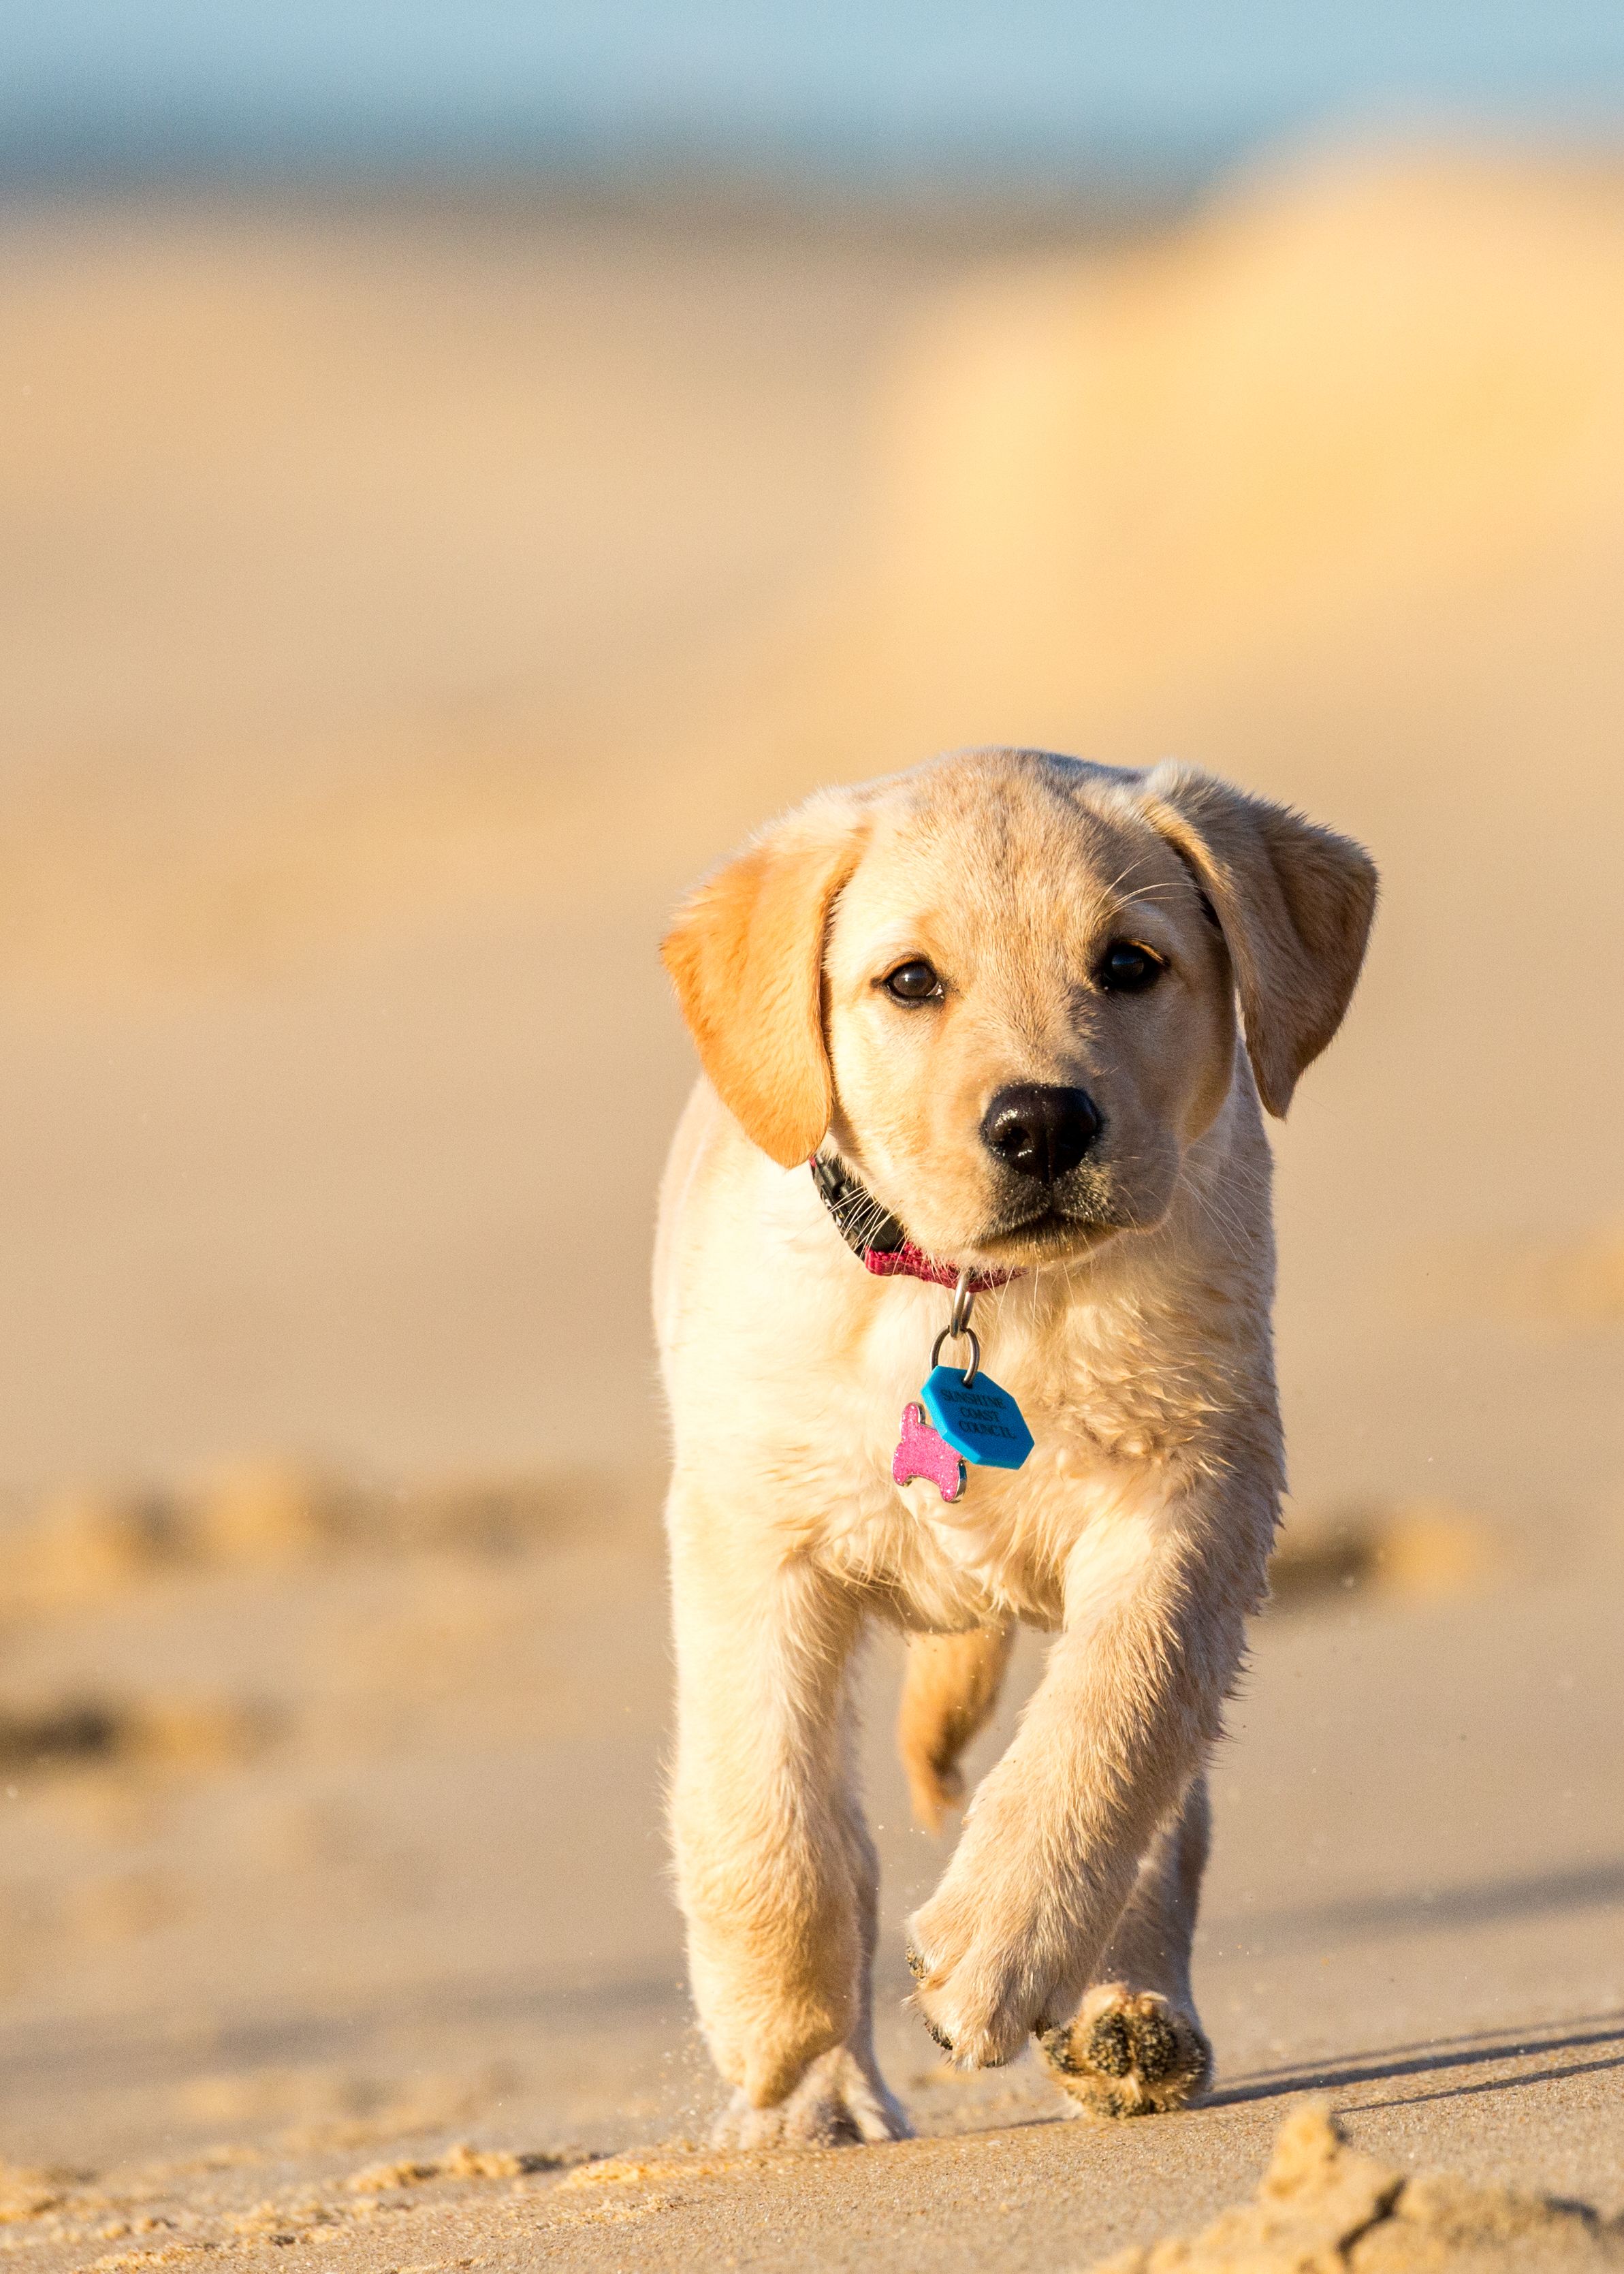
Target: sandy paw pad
x=1128, y=2053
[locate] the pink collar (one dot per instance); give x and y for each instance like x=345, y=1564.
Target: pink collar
x=910, y=1262
x=876, y=1239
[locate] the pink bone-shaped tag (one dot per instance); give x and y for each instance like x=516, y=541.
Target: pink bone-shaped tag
x=922, y=1452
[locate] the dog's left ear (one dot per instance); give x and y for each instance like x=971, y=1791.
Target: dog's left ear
x=746, y=957
x=1294, y=903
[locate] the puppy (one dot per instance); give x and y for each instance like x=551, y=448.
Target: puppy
x=977, y=1019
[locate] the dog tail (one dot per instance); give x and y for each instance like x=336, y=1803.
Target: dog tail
x=948, y=1694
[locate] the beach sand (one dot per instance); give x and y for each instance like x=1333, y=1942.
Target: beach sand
x=400, y=609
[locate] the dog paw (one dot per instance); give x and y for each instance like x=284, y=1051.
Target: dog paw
x=975, y=2006
x=1128, y=2054
x=840, y=2102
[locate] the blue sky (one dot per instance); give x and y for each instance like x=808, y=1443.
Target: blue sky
x=1028, y=87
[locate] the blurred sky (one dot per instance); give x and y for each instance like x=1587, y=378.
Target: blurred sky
x=1028, y=89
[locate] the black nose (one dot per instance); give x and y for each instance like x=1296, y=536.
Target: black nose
x=1040, y=1130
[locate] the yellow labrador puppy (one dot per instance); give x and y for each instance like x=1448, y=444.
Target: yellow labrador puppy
x=969, y=1035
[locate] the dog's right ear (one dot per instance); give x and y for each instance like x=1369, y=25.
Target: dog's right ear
x=746, y=957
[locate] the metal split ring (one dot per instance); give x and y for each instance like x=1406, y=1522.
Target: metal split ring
x=957, y=1329
x=967, y=1334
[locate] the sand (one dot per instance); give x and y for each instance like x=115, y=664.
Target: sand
x=302, y=1983
x=1323, y=2201
x=399, y=607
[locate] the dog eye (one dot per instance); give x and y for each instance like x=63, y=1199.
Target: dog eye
x=914, y=981
x=1127, y=968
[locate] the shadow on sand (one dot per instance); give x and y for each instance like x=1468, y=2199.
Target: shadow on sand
x=1481, y=2050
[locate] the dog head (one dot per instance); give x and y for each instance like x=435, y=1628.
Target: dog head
x=1005, y=986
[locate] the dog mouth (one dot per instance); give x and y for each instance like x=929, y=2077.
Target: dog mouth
x=1048, y=1229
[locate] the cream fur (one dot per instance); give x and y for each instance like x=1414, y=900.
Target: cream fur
x=1138, y=1344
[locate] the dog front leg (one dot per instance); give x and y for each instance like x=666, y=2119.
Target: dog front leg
x=1137, y=2047
x=775, y=1872
x=1109, y=1747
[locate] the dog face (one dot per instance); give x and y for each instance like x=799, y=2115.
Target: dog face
x=1028, y=1013
x=1005, y=985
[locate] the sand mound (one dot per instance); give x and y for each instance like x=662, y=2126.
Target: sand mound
x=1323, y=2205
x=1356, y=387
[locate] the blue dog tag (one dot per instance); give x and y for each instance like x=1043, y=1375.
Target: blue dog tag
x=978, y=1420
